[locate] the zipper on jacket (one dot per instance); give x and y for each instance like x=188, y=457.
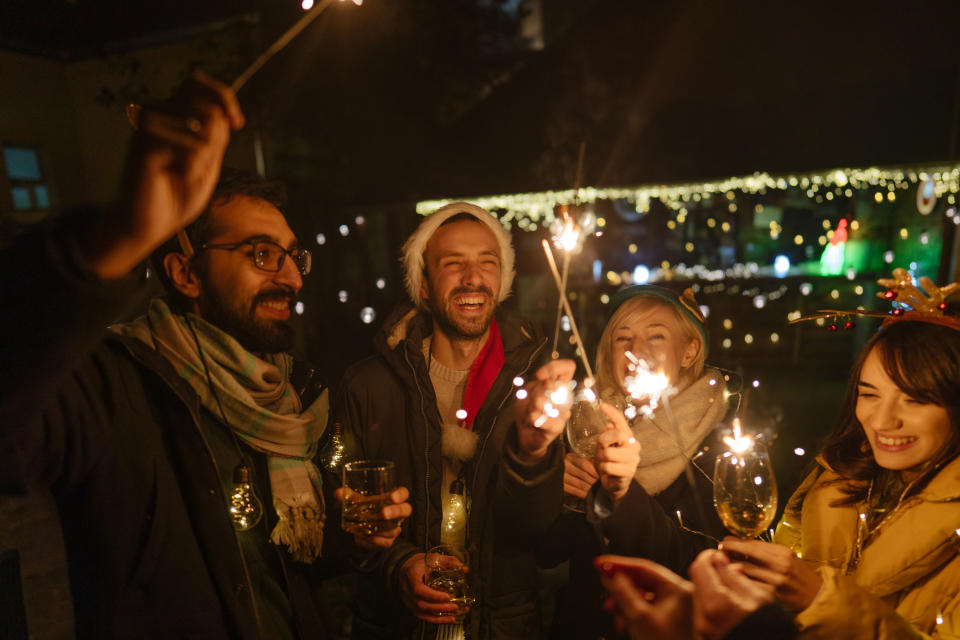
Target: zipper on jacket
x=483, y=443
x=426, y=453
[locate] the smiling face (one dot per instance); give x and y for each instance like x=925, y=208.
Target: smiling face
x=249, y=303
x=462, y=283
x=652, y=333
x=904, y=433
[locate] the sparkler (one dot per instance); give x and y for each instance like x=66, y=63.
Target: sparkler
x=282, y=42
x=565, y=305
x=740, y=442
x=643, y=383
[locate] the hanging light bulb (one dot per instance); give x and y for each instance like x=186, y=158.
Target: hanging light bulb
x=454, y=529
x=331, y=456
x=245, y=507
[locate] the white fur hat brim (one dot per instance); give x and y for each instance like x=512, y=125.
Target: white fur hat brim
x=416, y=244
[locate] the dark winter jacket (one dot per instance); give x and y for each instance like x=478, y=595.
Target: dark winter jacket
x=116, y=434
x=642, y=525
x=389, y=411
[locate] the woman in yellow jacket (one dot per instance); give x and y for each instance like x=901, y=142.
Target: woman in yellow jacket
x=868, y=545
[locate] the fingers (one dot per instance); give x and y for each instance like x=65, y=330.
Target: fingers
x=765, y=553
x=400, y=509
x=381, y=541
x=772, y=578
x=615, y=416
x=734, y=579
x=221, y=95
x=562, y=370
x=644, y=573
x=580, y=468
x=431, y=600
x=396, y=511
x=575, y=489
x=629, y=600
x=705, y=577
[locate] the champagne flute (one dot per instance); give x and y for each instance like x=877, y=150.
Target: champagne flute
x=446, y=570
x=584, y=426
x=366, y=491
x=744, y=489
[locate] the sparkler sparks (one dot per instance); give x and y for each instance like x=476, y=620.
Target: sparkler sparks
x=559, y=397
x=645, y=385
x=740, y=442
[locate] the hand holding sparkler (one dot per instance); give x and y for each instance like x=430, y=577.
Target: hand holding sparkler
x=169, y=175
x=618, y=455
x=543, y=407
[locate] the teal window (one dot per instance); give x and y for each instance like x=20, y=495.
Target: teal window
x=28, y=189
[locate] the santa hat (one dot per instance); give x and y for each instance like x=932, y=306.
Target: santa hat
x=416, y=244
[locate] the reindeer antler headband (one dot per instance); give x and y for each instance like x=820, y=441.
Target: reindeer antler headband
x=927, y=305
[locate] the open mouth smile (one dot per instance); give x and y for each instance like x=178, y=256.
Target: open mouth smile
x=889, y=443
x=471, y=302
x=276, y=308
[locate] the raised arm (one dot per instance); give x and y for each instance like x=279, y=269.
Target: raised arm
x=69, y=283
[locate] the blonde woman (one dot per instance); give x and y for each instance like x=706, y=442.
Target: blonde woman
x=666, y=330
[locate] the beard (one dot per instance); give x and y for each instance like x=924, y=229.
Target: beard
x=454, y=326
x=240, y=322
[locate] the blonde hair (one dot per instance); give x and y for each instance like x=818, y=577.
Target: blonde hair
x=607, y=382
x=416, y=245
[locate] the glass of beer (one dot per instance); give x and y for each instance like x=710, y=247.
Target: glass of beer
x=366, y=491
x=447, y=567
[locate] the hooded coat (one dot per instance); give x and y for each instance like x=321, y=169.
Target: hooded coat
x=907, y=581
x=388, y=410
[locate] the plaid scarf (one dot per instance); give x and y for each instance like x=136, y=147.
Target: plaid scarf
x=259, y=405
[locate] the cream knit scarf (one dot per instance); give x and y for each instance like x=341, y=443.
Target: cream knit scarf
x=260, y=406
x=697, y=410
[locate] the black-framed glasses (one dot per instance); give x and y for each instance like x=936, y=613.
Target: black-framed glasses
x=268, y=256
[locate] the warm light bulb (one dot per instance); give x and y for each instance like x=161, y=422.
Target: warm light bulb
x=245, y=507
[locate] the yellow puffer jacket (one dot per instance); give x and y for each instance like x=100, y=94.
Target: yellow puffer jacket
x=907, y=582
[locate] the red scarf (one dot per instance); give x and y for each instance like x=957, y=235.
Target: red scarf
x=483, y=372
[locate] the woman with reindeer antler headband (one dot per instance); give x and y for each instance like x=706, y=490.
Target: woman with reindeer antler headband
x=869, y=545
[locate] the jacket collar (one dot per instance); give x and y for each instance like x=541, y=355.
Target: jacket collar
x=407, y=327
x=911, y=543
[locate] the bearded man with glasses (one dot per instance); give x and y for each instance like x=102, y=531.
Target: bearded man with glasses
x=179, y=446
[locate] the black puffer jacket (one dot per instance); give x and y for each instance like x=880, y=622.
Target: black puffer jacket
x=116, y=434
x=389, y=411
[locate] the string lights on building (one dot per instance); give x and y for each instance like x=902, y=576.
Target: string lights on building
x=529, y=211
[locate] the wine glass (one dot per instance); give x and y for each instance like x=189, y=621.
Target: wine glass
x=744, y=489
x=584, y=426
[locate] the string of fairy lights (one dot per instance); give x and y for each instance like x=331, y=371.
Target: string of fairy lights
x=934, y=183
x=529, y=211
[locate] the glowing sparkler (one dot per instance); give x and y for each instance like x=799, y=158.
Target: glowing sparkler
x=643, y=384
x=567, y=237
x=565, y=305
x=282, y=42
x=740, y=442
x=559, y=397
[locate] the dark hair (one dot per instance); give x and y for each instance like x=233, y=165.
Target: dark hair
x=232, y=183
x=921, y=358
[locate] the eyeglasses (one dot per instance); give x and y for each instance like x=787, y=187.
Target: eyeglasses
x=268, y=256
